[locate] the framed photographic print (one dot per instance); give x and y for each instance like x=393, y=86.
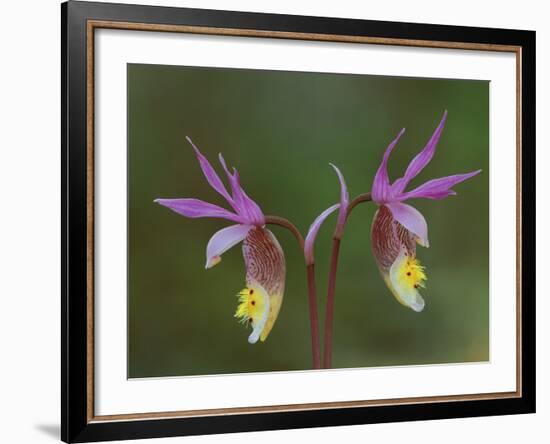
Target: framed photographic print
x=369, y=274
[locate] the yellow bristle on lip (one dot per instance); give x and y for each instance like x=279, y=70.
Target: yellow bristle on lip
x=410, y=273
x=251, y=306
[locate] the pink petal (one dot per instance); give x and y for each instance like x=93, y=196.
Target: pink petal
x=411, y=219
x=245, y=206
x=421, y=159
x=438, y=188
x=222, y=241
x=251, y=208
x=381, y=185
x=344, y=201
x=309, y=243
x=210, y=174
x=195, y=208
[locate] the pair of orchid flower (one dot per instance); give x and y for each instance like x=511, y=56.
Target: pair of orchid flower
x=395, y=230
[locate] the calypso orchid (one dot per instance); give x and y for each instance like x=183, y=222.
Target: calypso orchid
x=397, y=226
x=260, y=301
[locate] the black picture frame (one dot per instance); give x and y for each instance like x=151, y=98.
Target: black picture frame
x=76, y=423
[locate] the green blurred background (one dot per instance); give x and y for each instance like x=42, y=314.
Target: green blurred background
x=281, y=129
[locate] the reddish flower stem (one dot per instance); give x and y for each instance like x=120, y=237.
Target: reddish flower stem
x=313, y=317
x=366, y=197
x=312, y=291
x=282, y=222
x=329, y=313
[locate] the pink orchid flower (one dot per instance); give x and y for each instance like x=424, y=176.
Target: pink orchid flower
x=397, y=226
x=260, y=301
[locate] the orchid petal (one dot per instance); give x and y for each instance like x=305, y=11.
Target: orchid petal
x=245, y=206
x=381, y=186
x=210, y=174
x=265, y=266
x=421, y=159
x=438, y=188
x=394, y=249
x=412, y=220
x=309, y=243
x=249, y=206
x=195, y=208
x=344, y=202
x=403, y=291
x=222, y=241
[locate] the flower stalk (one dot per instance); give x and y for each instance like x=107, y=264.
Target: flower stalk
x=365, y=197
x=331, y=291
x=313, y=316
x=285, y=223
x=329, y=313
x=311, y=288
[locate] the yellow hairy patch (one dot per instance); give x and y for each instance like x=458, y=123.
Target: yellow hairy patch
x=410, y=273
x=251, y=306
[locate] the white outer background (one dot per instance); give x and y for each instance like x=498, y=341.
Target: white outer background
x=30, y=238
x=115, y=394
